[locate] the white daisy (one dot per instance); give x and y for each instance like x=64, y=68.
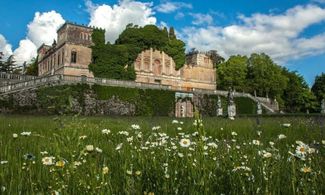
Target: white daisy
x=185, y=142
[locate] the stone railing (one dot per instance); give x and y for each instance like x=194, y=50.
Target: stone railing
x=18, y=77
x=65, y=79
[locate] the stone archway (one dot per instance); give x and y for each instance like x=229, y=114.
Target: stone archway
x=184, y=105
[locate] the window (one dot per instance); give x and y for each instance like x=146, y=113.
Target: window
x=62, y=60
x=73, y=57
x=59, y=59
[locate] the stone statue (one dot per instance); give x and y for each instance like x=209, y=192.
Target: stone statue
x=231, y=104
x=323, y=106
x=219, y=107
x=259, y=108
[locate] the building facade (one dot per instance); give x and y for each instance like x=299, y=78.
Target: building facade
x=70, y=55
x=156, y=67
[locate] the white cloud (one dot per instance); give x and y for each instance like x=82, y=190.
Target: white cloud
x=277, y=35
x=169, y=7
x=115, y=18
x=25, y=52
x=5, y=47
x=199, y=19
x=41, y=30
x=43, y=27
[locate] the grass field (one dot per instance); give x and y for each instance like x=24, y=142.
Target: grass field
x=102, y=155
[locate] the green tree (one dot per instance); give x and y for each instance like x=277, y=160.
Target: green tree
x=8, y=66
x=319, y=87
x=233, y=73
x=32, y=67
x=297, y=96
x=265, y=76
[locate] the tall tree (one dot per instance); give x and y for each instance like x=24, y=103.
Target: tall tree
x=297, y=95
x=32, y=67
x=216, y=58
x=232, y=73
x=265, y=76
x=319, y=87
x=8, y=66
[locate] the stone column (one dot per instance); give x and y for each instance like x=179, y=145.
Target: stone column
x=171, y=72
x=219, y=107
x=259, y=108
x=163, y=63
x=151, y=60
x=142, y=61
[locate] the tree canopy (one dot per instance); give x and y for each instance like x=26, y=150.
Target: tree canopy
x=116, y=60
x=319, y=87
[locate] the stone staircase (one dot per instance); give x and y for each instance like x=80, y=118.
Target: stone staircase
x=18, y=84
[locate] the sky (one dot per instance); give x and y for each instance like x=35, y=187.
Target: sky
x=292, y=32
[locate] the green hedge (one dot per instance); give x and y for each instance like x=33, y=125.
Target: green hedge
x=148, y=102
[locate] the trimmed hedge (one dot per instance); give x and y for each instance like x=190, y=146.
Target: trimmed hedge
x=148, y=102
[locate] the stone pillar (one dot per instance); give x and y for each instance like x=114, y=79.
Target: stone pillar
x=231, y=105
x=142, y=61
x=171, y=67
x=151, y=60
x=163, y=63
x=259, y=108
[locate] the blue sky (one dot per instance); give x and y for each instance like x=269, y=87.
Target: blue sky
x=291, y=32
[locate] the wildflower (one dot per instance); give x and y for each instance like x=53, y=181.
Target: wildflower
x=106, y=131
x=137, y=173
x=267, y=155
x=98, y=150
x=281, y=136
x=221, y=128
x=179, y=128
x=135, y=126
x=29, y=156
x=105, y=170
x=301, y=149
x=129, y=139
x=323, y=142
x=15, y=135
x=3, y=162
x=48, y=160
x=256, y=142
x=305, y=169
x=123, y=133
x=259, y=133
x=60, y=163
x=287, y=125
x=156, y=128
x=213, y=145
x=26, y=133
x=181, y=155
x=175, y=121
x=129, y=172
x=44, y=153
x=167, y=176
x=242, y=168
x=77, y=163
x=233, y=133
x=83, y=137
x=271, y=144
x=185, y=142
x=89, y=148
x=119, y=146
x=181, y=122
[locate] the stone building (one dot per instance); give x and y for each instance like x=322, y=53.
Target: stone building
x=70, y=55
x=156, y=67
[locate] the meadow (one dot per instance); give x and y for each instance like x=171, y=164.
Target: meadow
x=107, y=155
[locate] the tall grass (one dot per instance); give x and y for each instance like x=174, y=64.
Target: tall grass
x=223, y=157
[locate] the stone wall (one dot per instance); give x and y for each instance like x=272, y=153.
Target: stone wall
x=27, y=102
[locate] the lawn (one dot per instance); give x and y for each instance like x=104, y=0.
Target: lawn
x=105, y=155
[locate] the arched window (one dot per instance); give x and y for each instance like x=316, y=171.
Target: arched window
x=73, y=56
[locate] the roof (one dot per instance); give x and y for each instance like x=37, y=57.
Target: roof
x=73, y=24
